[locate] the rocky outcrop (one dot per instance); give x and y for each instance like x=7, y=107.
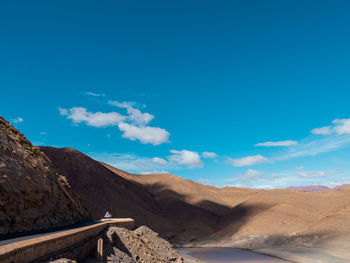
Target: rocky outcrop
x=141, y=245
x=33, y=195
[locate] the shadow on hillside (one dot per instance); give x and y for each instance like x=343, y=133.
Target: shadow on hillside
x=158, y=206
x=203, y=218
x=240, y=215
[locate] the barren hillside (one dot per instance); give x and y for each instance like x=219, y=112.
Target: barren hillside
x=188, y=213
x=33, y=195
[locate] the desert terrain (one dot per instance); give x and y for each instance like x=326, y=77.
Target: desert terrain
x=297, y=225
x=45, y=187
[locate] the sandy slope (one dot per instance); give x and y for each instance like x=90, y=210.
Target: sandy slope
x=300, y=226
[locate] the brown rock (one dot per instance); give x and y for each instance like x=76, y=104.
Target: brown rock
x=32, y=194
x=142, y=245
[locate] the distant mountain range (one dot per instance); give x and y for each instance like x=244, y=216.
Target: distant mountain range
x=315, y=188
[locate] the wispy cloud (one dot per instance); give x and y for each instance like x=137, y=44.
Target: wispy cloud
x=322, y=130
x=315, y=146
x=250, y=174
x=93, y=94
x=159, y=160
x=277, y=144
x=248, y=160
x=128, y=162
x=144, y=165
x=17, y=120
x=315, y=174
x=334, y=137
x=155, y=172
x=209, y=155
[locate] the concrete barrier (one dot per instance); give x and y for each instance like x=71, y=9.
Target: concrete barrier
x=39, y=247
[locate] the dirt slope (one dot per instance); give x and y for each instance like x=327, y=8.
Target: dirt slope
x=250, y=212
x=33, y=195
x=102, y=189
x=189, y=213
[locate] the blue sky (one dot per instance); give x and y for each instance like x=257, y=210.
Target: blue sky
x=220, y=92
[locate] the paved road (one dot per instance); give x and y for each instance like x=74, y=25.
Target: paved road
x=18, y=237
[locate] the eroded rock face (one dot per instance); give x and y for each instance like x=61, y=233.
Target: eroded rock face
x=33, y=195
x=140, y=245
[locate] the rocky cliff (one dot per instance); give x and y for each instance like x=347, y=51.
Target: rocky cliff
x=33, y=195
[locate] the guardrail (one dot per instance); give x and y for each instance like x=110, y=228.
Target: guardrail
x=40, y=247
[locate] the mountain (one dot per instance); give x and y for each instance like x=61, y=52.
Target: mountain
x=41, y=187
x=33, y=195
x=105, y=188
x=102, y=190
x=315, y=188
x=343, y=186
x=311, y=188
x=245, y=212
x=189, y=213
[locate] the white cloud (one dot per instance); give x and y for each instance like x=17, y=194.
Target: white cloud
x=248, y=160
x=139, y=118
x=97, y=119
x=342, y=126
x=322, y=130
x=93, y=94
x=315, y=174
x=17, y=120
x=185, y=157
x=144, y=134
x=159, y=160
x=135, y=115
x=251, y=174
x=209, y=155
x=134, y=125
x=278, y=143
x=299, y=168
